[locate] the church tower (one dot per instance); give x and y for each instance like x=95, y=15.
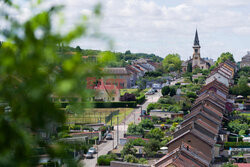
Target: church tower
x=196, y=54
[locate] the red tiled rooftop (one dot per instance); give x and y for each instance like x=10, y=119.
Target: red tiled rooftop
x=242, y=164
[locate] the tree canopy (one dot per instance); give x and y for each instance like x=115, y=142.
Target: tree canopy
x=225, y=56
x=32, y=72
x=172, y=62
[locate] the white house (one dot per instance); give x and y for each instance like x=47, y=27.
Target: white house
x=220, y=76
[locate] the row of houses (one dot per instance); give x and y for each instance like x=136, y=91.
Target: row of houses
x=197, y=140
x=121, y=77
x=131, y=73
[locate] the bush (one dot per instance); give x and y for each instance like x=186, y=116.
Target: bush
x=135, y=129
x=191, y=95
x=128, y=97
x=172, y=91
x=106, y=159
x=131, y=158
x=140, y=99
x=146, y=124
x=137, y=142
x=166, y=100
x=131, y=104
x=165, y=90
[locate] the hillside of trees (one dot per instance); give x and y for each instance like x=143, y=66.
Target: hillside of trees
x=122, y=59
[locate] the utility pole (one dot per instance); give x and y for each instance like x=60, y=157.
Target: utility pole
x=134, y=117
x=111, y=117
x=113, y=140
x=117, y=130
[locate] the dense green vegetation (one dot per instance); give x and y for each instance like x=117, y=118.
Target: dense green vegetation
x=122, y=59
x=172, y=62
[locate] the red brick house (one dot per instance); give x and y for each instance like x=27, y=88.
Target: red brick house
x=183, y=156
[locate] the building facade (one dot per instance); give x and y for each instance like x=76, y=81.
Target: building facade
x=196, y=61
x=245, y=61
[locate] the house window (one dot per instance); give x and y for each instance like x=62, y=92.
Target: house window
x=189, y=141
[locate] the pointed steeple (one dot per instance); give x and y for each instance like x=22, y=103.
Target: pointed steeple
x=196, y=39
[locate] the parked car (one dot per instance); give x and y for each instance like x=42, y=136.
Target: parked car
x=89, y=155
x=92, y=150
x=155, y=90
x=150, y=93
x=109, y=137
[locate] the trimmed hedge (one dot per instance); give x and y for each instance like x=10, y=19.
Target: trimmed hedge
x=235, y=144
x=140, y=99
x=125, y=104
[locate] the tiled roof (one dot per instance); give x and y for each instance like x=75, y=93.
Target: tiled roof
x=218, y=85
x=203, y=114
x=242, y=164
x=184, y=156
x=207, y=127
x=213, y=96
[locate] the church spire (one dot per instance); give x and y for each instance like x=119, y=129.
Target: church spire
x=196, y=39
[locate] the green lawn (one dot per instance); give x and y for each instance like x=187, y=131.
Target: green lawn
x=245, y=114
x=123, y=91
x=96, y=115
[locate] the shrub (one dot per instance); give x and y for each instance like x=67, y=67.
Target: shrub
x=146, y=124
x=137, y=142
x=166, y=100
x=131, y=158
x=140, y=99
x=135, y=129
x=131, y=104
x=106, y=159
x=236, y=144
x=128, y=97
x=191, y=95
x=165, y=90
x=172, y=91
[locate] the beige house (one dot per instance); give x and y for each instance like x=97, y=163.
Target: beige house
x=105, y=92
x=119, y=76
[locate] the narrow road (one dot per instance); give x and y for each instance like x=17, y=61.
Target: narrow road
x=108, y=145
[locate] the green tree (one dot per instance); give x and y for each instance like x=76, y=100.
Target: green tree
x=135, y=129
x=189, y=67
x=236, y=126
x=128, y=149
x=172, y=91
x=106, y=159
x=32, y=72
x=152, y=147
x=131, y=158
x=78, y=49
x=146, y=124
x=172, y=62
x=165, y=90
x=223, y=57
x=156, y=134
x=242, y=87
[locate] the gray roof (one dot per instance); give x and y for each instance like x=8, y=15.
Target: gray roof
x=196, y=39
x=116, y=70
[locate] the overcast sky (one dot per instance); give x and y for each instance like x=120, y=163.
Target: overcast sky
x=168, y=26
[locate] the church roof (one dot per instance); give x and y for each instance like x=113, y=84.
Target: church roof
x=196, y=39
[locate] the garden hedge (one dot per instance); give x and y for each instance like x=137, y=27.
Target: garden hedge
x=236, y=144
x=140, y=99
x=123, y=104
